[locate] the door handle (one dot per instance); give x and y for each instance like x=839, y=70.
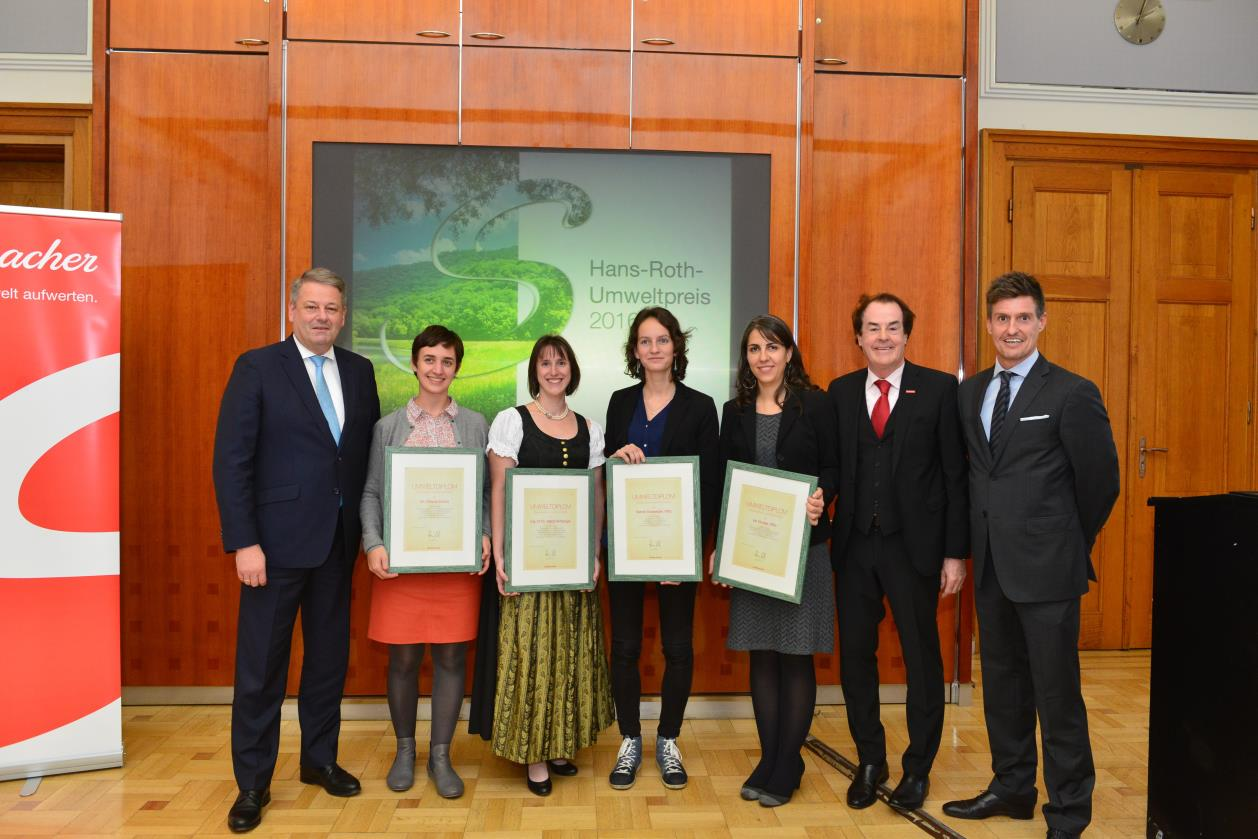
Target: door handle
x=1145, y=450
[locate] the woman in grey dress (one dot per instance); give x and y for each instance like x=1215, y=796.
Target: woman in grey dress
x=779, y=419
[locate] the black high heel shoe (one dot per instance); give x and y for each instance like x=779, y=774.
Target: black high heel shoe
x=567, y=769
x=772, y=799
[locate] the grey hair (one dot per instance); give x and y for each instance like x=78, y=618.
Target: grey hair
x=322, y=276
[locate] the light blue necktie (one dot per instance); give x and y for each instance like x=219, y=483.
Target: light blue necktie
x=325, y=398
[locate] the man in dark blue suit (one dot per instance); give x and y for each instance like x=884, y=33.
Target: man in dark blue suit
x=290, y=460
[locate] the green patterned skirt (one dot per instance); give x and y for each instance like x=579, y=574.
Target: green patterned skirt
x=554, y=695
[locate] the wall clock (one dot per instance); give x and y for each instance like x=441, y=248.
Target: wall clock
x=1140, y=21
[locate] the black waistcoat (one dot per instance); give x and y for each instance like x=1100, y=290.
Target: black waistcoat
x=874, y=490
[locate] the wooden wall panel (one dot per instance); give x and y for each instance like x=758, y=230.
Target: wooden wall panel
x=401, y=21
x=190, y=25
x=747, y=27
x=728, y=104
x=545, y=98
x=589, y=24
x=924, y=37
x=886, y=214
x=188, y=171
x=360, y=93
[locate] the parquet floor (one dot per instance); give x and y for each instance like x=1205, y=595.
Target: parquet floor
x=178, y=782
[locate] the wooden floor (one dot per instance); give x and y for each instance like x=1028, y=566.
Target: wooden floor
x=178, y=782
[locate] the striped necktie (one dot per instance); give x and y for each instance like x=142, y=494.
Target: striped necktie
x=1000, y=409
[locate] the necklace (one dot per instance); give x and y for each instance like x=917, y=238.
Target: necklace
x=549, y=415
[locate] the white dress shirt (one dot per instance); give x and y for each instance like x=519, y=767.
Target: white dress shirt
x=330, y=375
x=872, y=392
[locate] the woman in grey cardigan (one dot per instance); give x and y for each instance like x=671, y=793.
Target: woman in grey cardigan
x=411, y=610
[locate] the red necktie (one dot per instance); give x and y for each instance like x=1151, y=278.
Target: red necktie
x=882, y=408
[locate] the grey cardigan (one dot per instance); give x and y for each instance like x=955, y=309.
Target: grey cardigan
x=470, y=432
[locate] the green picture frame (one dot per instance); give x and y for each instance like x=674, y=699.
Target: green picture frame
x=516, y=540
x=398, y=459
x=789, y=585
x=689, y=566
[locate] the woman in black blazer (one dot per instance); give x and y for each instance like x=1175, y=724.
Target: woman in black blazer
x=658, y=417
x=781, y=420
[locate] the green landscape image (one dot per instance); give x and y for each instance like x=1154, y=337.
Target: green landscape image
x=436, y=241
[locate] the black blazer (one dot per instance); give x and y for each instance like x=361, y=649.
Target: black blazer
x=927, y=464
x=278, y=475
x=1041, y=498
x=691, y=430
x=806, y=444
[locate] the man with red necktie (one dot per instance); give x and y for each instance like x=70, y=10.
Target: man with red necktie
x=901, y=532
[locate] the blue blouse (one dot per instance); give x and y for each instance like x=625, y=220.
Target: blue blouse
x=648, y=435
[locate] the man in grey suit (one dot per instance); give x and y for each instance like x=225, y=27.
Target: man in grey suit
x=1043, y=479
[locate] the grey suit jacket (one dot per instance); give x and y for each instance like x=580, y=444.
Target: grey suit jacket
x=1040, y=499
x=470, y=432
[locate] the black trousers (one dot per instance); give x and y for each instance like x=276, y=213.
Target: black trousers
x=677, y=613
x=1030, y=657
x=875, y=566
x=263, y=643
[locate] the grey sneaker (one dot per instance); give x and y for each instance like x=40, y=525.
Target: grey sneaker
x=668, y=756
x=628, y=759
x=402, y=775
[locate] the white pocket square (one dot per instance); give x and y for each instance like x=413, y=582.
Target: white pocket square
x=1034, y=418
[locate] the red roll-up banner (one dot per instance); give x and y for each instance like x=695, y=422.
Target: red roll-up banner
x=60, y=302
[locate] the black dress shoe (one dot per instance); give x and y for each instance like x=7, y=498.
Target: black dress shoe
x=987, y=804
x=910, y=793
x=1058, y=833
x=864, y=789
x=566, y=769
x=334, y=780
x=537, y=787
x=246, y=813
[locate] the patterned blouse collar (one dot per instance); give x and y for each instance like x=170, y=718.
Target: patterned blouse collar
x=414, y=413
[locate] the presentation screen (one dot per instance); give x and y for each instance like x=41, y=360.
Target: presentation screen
x=506, y=245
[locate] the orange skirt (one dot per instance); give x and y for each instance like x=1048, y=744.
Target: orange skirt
x=424, y=608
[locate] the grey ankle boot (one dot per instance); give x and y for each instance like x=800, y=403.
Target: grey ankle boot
x=402, y=775
x=444, y=778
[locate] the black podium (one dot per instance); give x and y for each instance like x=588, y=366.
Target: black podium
x=1203, y=704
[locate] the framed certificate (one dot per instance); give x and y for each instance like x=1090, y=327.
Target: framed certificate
x=432, y=509
x=653, y=530
x=762, y=543
x=549, y=540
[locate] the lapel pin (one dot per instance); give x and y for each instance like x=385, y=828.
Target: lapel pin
x=910, y=391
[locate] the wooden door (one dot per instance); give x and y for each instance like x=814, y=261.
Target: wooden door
x=224, y=25
x=1071, y=229
x=587, y=24
x=923, y=37
x=545, y=98
x=188, y=169
x=887, y=216
x=748, y=27
x=1193, y=354
x=399, y=21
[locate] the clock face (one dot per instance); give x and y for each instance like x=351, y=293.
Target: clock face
x=1140, y=21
